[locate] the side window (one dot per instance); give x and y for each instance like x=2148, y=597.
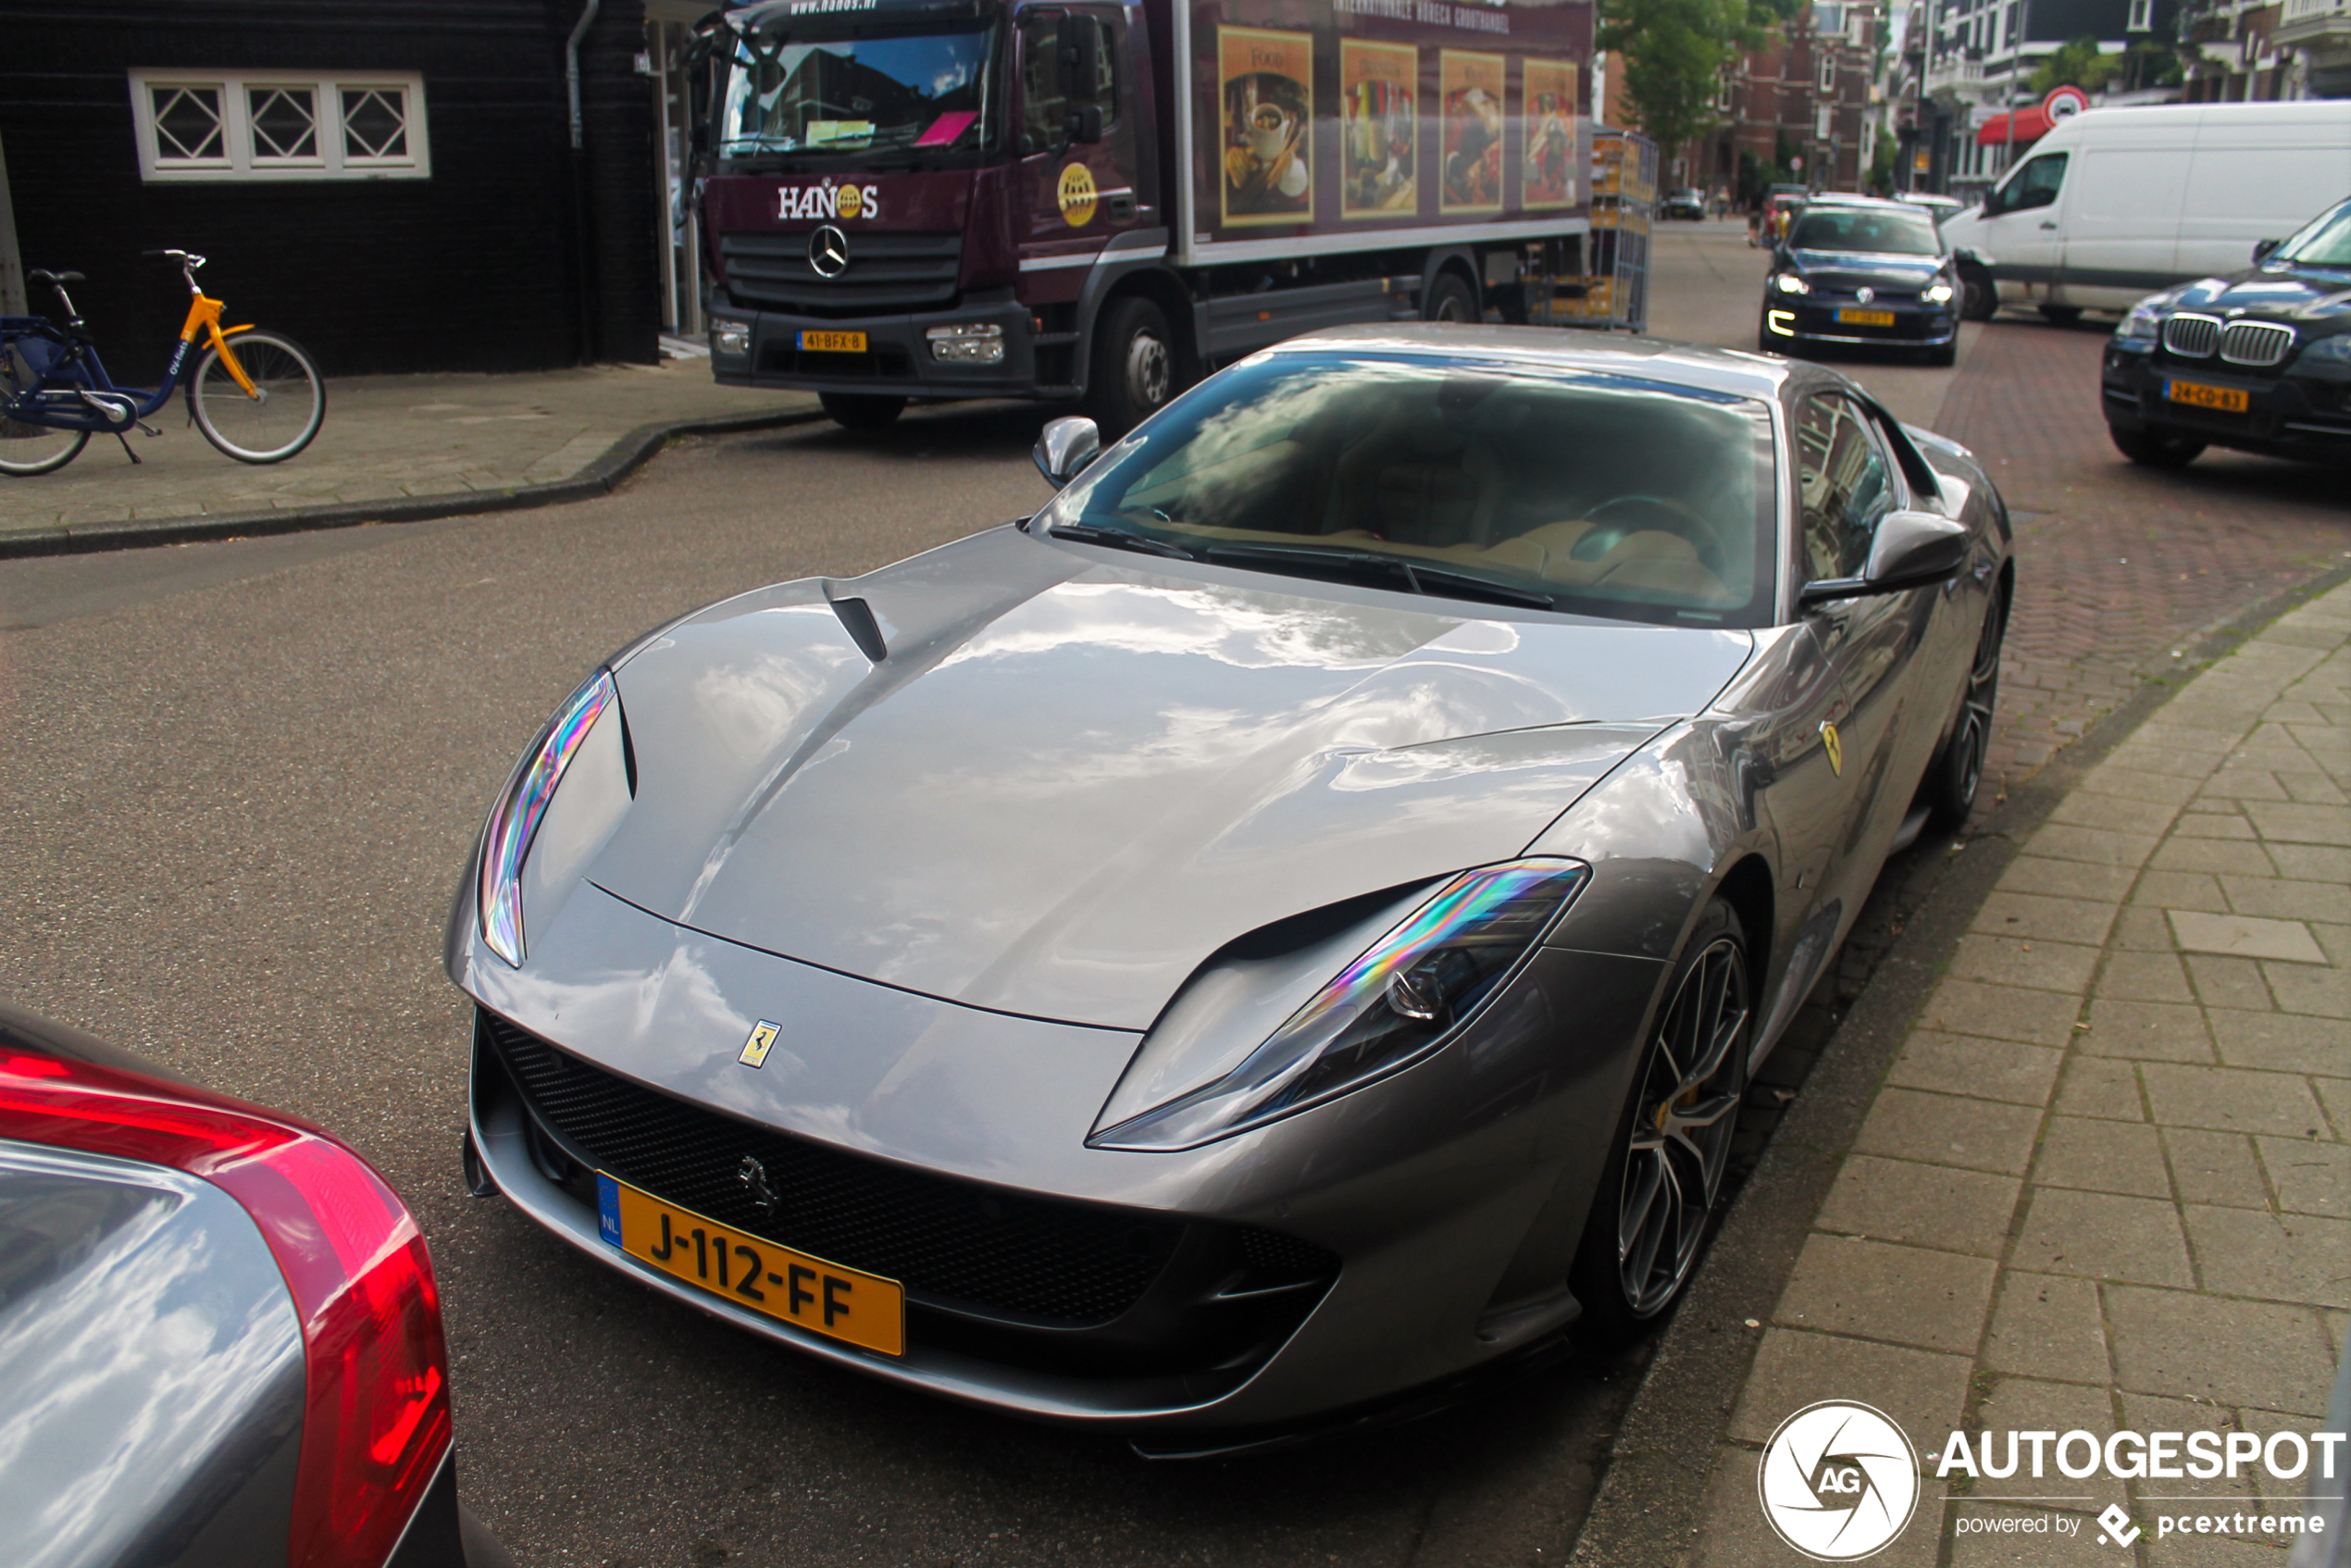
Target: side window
x=1044, y=96
x=2036, y=184
x=1843, y=487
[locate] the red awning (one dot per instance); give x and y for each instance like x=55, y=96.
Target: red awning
x=2031, y=126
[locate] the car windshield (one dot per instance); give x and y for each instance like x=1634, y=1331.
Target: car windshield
x=1598, y=494
x=834, y=84
x=2326, y=242
x=1887, y=233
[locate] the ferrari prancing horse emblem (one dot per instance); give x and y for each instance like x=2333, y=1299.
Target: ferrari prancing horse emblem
x=1829, y=742
x=763, y=1036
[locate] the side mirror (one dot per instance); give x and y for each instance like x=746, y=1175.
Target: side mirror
x=1913, y=550
x=1065, y=448
x=2264, y=249
x=1080, y=39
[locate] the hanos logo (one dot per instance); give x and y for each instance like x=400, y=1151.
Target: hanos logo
x=819, y=203
x=1078, y=196
x=1838, y=1481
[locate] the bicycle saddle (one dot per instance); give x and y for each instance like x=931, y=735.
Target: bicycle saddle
x=53, y=278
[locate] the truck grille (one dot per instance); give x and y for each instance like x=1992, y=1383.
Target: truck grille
x=952, y=1240
x=2258, y=344
x=887, y=272
x=2192, y=336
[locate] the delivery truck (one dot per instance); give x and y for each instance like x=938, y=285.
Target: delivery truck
x=1049, y=199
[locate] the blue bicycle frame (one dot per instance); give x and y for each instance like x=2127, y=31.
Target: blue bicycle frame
x=62, y=376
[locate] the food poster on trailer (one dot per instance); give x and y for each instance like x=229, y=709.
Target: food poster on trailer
x=1547, y=175
x=1267, y=83
x=1308, y=118
x=1379, y=125
x=1471, y=93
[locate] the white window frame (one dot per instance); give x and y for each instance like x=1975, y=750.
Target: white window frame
x=241, y=161
x=2141, y=16
x=1828, y=74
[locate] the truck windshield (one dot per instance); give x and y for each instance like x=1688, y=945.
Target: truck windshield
x=834, y=85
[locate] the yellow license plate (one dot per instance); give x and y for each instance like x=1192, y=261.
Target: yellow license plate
x=2230, y=400
x=832, y=342
x=1866, y=317
x=754, y=1273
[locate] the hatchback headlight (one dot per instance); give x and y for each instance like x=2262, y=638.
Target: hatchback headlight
x=1938, y=292
x=514, y=822
x=1789, y=284
x=1399, y=1001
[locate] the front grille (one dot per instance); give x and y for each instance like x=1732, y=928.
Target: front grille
x=2192, y=336
x=887, y=272
x=887, y=362
x=954, y=1241
x=2259, y=343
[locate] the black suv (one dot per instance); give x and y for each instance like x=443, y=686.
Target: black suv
x=2259, y=361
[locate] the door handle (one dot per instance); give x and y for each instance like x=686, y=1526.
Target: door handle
x=2048, y=225
x=1121, y=210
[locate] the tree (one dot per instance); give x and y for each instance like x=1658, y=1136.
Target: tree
x=1674, y=52
x=2077, y=64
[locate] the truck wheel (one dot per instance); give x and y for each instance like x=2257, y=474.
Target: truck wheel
x=862, y=411
x=1448, y=299
x=2152, y=449
x=1134, y=365
x=1978, y=297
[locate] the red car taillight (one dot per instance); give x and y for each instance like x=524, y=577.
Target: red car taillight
x=376, y=1418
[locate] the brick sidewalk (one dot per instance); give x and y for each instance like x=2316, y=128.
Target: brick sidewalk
x=2106, y=1185
x=387, y=437
x=2117, y=566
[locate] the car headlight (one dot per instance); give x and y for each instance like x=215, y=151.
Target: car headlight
x=2146, y=318
x=1398, y=1001
x=2335, y=350
x=1789, y=284
x=1938, y=292
x=514, y=822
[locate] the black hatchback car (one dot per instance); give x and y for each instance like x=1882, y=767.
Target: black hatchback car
x=2259, y=361
x=1860, y=271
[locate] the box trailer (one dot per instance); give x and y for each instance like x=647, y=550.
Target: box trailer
x=1054, y=199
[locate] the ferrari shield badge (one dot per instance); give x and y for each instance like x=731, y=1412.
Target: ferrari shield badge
x=762, y=1037
x=1829, y=743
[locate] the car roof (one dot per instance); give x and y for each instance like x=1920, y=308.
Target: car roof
x=1877, y=204
x=1699, y=366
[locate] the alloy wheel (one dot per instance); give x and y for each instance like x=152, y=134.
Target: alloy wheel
x=1983, y=695
x=1681, y=1141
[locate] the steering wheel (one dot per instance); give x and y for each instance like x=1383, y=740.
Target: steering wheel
x=1661, y=512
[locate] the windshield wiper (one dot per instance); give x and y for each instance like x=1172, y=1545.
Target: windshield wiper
x=1382, y=571
x=1119, y=539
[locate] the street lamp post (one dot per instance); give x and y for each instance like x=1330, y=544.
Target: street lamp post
x=2016, y=58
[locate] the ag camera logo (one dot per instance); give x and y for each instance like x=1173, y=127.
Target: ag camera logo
x=1838, y=1481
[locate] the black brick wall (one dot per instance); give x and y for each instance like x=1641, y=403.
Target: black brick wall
x=474, y=268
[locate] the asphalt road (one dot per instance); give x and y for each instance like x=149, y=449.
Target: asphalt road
x=237, y=782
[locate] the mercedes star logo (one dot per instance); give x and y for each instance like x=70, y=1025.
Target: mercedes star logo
x=753, y=1176
x=828, y=252
x=1865, y=296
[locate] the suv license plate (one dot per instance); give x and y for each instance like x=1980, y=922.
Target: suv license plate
x=2229, y=400
x=752, y=1272
x=832, y=342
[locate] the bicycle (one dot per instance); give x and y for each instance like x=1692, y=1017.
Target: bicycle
x=256, y=395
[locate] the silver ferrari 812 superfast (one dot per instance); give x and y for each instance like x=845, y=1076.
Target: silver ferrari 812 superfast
x=1286, y=926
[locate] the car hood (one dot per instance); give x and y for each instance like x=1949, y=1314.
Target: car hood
x=2317, y=299
x=1853, y=270
x=1076, y=775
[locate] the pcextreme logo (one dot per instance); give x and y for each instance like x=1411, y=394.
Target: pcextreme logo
x=1838, y=1481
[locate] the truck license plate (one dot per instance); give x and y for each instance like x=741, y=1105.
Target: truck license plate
x=752, y=1272
x=2229, y=400
x=832, y=342
x=1866, y=317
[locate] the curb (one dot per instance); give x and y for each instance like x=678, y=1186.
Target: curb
x=1647, y=1511
x=622, y=458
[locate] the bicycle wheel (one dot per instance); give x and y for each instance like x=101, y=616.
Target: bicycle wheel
x=27, y=449
x=278, y=418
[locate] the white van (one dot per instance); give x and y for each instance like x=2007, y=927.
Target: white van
x=2113, y=205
